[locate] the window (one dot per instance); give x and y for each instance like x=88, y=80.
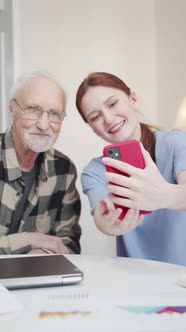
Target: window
x=6, y=60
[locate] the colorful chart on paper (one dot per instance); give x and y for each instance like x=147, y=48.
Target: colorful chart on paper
x=63, y=314
x=154, y=310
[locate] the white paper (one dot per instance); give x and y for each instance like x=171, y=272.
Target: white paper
x=79, y=309
x=182, y=280
x=8, y=302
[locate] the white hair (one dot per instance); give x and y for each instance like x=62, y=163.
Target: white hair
x=29, y=76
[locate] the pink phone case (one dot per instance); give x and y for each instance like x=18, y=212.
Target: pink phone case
x=129, y=152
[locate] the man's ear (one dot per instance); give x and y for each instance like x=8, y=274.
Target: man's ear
x=133, y=97
x=11, y=110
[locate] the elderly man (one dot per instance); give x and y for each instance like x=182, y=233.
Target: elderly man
x=39, y=202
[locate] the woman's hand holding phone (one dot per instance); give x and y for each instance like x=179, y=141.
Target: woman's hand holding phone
x=107, y=219
x=141, y=188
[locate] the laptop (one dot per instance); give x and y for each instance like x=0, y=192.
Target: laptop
x=38, y=271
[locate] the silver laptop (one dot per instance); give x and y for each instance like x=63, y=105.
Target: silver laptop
x=38, y=271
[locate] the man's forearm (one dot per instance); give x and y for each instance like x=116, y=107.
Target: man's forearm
x=14, y=244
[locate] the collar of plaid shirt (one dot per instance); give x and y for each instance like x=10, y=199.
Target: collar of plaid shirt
x=11, y=165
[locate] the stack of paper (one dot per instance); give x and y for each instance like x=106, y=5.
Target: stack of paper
x=8, y=303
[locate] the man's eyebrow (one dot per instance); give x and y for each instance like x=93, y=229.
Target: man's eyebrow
x=34, y=105
x=29, y=105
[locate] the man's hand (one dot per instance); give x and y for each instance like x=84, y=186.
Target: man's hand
x=39, y=252
x=49, y=242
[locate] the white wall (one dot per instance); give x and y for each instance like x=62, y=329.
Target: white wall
x=73, y=38
x=171, y=58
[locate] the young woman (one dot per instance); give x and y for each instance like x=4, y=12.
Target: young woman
x=107, y=104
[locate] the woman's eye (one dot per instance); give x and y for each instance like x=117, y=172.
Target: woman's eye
x=95, y=117
x=113, y=103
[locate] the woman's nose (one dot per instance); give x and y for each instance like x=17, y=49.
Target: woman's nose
x=108, y=117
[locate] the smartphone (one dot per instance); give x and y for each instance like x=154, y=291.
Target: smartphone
x=129, y=152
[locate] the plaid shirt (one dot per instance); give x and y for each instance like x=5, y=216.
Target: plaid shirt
x=53, y=204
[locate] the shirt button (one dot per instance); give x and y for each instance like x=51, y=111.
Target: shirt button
x=45, y=178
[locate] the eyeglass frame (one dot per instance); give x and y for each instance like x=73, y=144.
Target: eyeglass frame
x=63, y=113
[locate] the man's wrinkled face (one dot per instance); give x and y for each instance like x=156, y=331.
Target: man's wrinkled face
x=42, y=94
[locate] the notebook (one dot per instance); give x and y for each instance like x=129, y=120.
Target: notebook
x=38, y=271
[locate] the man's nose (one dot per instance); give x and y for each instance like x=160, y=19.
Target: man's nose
x=43, y=121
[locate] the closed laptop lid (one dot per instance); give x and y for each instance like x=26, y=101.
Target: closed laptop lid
x=38, y=271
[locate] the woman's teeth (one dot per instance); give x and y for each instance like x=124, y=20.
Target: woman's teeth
x=116, y=127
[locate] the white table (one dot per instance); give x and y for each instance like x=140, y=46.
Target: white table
x=109, y=283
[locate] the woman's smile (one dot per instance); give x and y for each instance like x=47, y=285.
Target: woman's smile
x=116, y=128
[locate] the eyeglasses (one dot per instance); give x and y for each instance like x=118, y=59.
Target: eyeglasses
x=33, y=113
